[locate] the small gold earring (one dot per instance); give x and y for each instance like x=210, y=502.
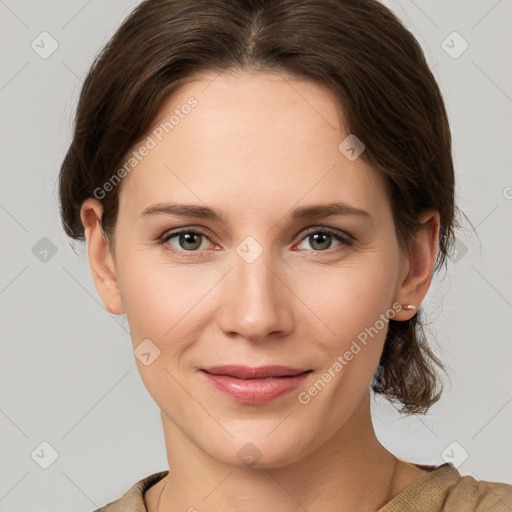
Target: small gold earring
x=408, y=307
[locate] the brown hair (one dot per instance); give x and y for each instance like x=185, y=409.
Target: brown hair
x=356, y=48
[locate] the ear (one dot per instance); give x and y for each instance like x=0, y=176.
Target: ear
x=421, y=259
x=101, y=259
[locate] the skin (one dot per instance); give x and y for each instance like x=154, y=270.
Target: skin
x=255, y=147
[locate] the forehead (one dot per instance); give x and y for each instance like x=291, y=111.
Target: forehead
x=253, y=135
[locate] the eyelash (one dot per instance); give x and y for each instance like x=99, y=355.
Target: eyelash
x=345, y=240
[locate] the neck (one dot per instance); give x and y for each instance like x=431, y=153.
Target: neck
x=350, y=471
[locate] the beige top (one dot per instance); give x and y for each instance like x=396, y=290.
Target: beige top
x=441, y=490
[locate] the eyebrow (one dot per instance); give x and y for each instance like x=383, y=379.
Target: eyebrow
x=204, y=212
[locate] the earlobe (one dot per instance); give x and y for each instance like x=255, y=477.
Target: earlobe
x=101, y=260
x=421, y=258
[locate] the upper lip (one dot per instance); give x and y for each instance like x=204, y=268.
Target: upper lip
x=260, y=372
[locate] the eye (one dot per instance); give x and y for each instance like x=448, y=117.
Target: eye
x=321, y=239
x=193, y=241
x=187, y=240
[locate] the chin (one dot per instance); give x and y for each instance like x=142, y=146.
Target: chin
x=259, y=452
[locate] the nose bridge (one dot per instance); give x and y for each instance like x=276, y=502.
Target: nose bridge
x=254, y=305
x=254, y=272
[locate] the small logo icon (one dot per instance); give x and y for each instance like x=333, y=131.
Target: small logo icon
x=454, y=45
x=455, y=453
x=44, y=45
x=459, y=251
x=45, y=455
x=146, y=352
x=351, y=147
x=249, y=249
x=249, y=454
x=44, y=250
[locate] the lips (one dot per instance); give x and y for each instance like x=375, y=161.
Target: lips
x=254, y=386
x=247, y=372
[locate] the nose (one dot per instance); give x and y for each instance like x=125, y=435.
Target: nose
x=256, y=303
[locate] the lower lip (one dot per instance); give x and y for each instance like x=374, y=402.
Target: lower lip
x=255, y=391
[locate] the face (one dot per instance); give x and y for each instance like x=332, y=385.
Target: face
x=270, y=281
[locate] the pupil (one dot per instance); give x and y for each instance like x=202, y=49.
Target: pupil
x=325, y=236
x=187, y=238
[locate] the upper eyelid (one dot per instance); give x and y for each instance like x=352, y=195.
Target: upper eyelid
x=325, y=229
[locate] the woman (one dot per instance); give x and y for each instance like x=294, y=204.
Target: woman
x=266, y=188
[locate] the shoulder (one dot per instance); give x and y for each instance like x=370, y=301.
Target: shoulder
x=133, y=499
x=480, y=495
x=444, y=489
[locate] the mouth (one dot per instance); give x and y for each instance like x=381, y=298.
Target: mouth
x=249, y=373
x=255, y=385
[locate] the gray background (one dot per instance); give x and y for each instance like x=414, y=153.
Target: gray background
x=68, y=376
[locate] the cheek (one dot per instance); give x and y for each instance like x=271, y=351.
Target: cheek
x=346, y=300
x=168, y=306
x=164, y=303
